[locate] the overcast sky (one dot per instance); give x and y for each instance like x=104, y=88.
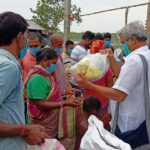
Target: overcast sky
x=110, y=21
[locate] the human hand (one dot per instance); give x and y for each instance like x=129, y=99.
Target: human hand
x=73, y=91
x=81, y=80
x=107, y=51
x=73, y=103
x=70, y=91
x=34, y=134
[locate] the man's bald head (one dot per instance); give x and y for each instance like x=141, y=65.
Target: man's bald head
x=56, y=41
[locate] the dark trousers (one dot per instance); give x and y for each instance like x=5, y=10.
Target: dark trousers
x=136, y=137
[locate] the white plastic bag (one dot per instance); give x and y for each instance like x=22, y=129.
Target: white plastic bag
x=98, y=138
x=93, y=66
x=50, y=144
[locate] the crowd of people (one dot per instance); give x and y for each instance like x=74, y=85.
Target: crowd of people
x=36, y=83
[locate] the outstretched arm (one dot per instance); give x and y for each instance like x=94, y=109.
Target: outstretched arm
x=104, y=91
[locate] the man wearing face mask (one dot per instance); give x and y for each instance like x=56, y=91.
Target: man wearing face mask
x=13, y=131
x=56, y=44
x=80, y=51
x=107, y=41
x=35, y=41
x=69, y=45
x=128, y=90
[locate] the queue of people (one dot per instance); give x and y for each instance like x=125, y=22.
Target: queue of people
x=39, y=76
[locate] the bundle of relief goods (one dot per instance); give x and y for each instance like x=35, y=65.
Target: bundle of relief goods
x=93, y=66
x=98, y=138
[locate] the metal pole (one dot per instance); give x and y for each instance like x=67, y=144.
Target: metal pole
x=69, y=13
x=98, y=12
x=148, y=23
x=126, y=16
x=67, y=10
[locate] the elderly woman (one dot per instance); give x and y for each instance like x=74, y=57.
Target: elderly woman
x=44, y=97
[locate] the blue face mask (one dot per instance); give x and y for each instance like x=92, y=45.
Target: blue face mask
x=107, y=43
x=34, y=51
x=69, y=51
x=126, y=49
x=23, y=51
x=58, y=50
x=51, y=68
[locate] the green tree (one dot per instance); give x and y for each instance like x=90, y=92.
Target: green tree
x=49, y=13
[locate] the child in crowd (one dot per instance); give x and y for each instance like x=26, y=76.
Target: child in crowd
x=91, y=106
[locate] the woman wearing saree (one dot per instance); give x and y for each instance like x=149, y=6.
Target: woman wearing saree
x=44, y=96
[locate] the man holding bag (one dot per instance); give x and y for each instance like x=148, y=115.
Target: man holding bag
x=129, y=87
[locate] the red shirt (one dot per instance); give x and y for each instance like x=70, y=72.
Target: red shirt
x=101, y=82
x=27, y=63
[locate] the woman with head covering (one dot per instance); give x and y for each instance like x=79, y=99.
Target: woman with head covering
x=97, y=44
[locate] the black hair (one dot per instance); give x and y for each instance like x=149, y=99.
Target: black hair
x=99, y=36
x=107, y=35
x=88, y=35
x=46, y=53
x=91, y=103
x=69, y=42
x=11, y=24
x=34, y=35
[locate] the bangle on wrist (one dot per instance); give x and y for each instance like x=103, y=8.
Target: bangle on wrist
x=61, y=106
x=22, y=130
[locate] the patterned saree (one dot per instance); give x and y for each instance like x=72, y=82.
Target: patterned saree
x=48, y=119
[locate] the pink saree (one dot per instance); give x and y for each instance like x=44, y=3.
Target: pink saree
x=48, y=119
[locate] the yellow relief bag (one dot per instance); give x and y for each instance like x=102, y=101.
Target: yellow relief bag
x=93, y=66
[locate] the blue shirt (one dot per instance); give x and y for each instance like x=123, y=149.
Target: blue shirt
x=11, y=99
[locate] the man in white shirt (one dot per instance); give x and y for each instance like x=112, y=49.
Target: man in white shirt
x=81, y=50
x=129, y=87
